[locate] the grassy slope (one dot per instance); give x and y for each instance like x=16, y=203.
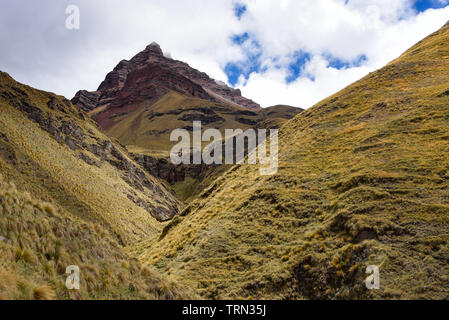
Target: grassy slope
x=275, y=116
x=38, y=242
x=68, y=211
x=146, y=131
x=137, y=130
x=141, y=132
x=50, y=169
x=363, y=179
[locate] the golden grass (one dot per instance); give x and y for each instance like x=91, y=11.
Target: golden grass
x=148, y=128
x=38, y=245
x=53, y=171
x=61, y=211
x=43, y=293
x=363, y=180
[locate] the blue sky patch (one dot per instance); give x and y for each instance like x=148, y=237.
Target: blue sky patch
x=295, y=69
x=252, y=62
x=336, y=63
x=240, y=39
x=239, y=10
x=423, y=5
x=234, y=70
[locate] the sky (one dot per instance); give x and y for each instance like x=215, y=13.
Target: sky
x=294, y=52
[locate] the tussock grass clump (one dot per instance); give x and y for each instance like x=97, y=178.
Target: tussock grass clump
x=43, y=293
x=41, y=240
x=49, y=208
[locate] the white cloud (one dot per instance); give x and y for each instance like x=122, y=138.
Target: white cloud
x=381, y=30
x=302, y=92
x=41, y=52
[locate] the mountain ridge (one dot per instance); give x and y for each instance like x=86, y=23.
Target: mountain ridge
x=153, y=56
x=144, y=99
x=362, y=180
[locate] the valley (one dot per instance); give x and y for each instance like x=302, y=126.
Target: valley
x=362, y=180
x=143, y=100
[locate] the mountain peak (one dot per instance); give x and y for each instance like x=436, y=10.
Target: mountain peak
x=155, y=48
x=160, y=74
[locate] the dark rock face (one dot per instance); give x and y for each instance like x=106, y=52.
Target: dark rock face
x=444, y=94
x=206, y=119
x=7, y=152
x=247, y=121
x=86, y=100
x=148, y=84
x=148, y=76
x=153, y=81
x=164, y=169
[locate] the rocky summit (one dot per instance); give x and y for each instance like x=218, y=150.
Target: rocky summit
x=149, y=75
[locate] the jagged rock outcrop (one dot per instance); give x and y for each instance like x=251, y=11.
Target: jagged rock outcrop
x=150, y=75
x=86, y=100
x=164, y=169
